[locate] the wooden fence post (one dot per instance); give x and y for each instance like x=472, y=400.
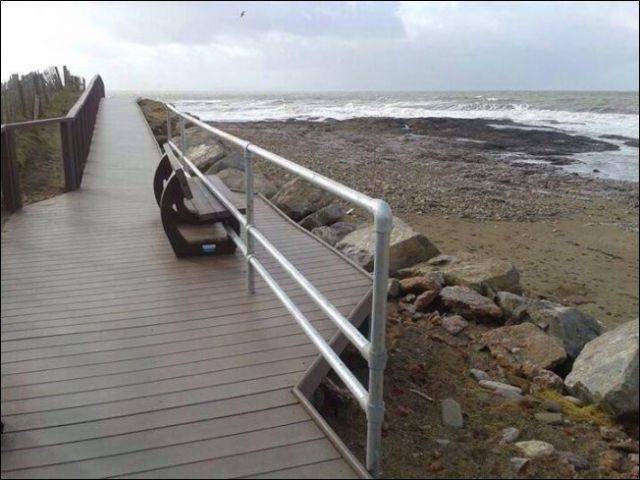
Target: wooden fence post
x=10, y=176
x=68, y=156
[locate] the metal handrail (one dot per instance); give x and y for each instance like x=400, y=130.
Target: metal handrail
x=373, y=350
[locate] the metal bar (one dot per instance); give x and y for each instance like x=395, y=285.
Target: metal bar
x=378, y=359
x=349, y=379
x=248, y=178
x=168, y=124
x=183, y=135
x=351, y=332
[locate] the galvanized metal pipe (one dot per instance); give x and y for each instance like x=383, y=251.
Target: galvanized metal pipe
x=349, y=379
x=248, y=188
x=183, y=135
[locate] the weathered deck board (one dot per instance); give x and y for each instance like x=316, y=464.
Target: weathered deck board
x=120, y=360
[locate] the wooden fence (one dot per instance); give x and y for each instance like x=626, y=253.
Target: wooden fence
x=76, y=131
x=23, y=97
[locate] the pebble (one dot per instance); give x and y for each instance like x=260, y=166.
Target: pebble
x=550, y=418
x=535, y=448
x=518, y=463
x=551, y=406
x=452, y=413
x=576, y=461
x=576, y=401
x=509, y=435
x=479, y=374
x=492, y=385
x=454, y=324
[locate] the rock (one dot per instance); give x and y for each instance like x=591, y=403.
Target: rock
x=425, y=299
x=491, y=385
x=576, y=401
x=546, y=380
x=406, y=246
x=470, y=304
x=479, y=375
x=578, y=462
x=573, y=327
x=334, y=233
x=422, y=283
x=409, y=298
x=551, y=406
x=518, y=464
x=205, y=155
x=393, y=288
x=633, y=458
x=509, y=435
x=525, y=342
x=606, y=371
x=325, y=216
x=550, y=418
x=535, y=448
x=454, y=324
x=298, y=198
x=612, y=434
x=232, y=160
x=629, y=445
x=451, y=413
x=514, y=306
x=234, y=179
x=484, y=275
x=612, y=460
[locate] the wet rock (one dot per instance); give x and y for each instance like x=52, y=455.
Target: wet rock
x=451, y=413
x=550, y=418
x=525, y=342
x=234, y=179
x=470, y=304
x=454, y=324
x=573, y=327
x=509, y=435
x=325, y=216
x=479, y=375
x=425, y=299
x=578, y=462
x=298, y=198
x=606, y=371
x=406, y=246
x=535, y=448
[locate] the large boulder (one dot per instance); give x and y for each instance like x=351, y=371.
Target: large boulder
x=470, y=304
x=205, y=155
x=232, y=160
x=156, y=115
x=573, y=327
x=606, y=371
x=298, y=198
x=525, y=344
x=234, y=179
x=406, y=246
x=485, y=275
x=325, y=216
x=334, y=233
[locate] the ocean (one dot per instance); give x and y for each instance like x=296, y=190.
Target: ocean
x=592, y=114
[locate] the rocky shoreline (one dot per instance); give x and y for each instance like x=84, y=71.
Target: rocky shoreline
x=552, y=364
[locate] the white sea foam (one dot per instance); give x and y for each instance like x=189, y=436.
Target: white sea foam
x=592, y=114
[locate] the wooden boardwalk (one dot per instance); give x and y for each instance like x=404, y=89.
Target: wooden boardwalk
x=120, y=360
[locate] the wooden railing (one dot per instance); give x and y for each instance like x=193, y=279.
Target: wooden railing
x=76, y=131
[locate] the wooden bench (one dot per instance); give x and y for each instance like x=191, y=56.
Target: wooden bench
x=192, y=217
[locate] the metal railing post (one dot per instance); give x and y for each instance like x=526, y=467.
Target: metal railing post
x=249, y=241
x=378, y=359
x=168, y=124
x=183, y=135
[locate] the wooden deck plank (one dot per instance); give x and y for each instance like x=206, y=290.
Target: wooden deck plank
x=120, y=360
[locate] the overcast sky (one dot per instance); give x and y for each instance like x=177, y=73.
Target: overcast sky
x=329, y=46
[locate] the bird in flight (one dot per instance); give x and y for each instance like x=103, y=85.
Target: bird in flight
x=243, y=14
